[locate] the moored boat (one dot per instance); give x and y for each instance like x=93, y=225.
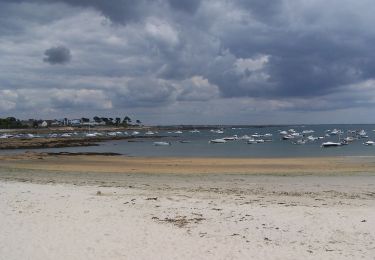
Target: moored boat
x=217, y=141
x=162, y=143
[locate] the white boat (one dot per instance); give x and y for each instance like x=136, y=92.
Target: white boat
x=331, y=144
x=178, y=132
x=194, y=131
x=287, y=137
x=149, y=133
x=230, y=138
x=369, y=143
x=162, y=143
x=349, y=139
x=5, y=136
x=251, y=141
x=66, y=135
x=363, y=134
x=299, y=142
x=218, y=131
x=312, y=138
x=91, y=135
x=217, y=141
x=255, y=141
x=135, y=133
x=335, y=132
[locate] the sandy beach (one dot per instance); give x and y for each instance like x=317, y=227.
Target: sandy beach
x=116, y=207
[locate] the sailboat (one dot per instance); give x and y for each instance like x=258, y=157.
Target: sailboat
x=89, y=134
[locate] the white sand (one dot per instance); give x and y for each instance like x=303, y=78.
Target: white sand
x=269, y=221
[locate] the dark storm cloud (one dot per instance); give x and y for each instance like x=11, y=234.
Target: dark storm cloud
x=119, y=11
x=266, y=11
x=306, y=60
x=189, y=6
x=288, y=53
x=57, y=55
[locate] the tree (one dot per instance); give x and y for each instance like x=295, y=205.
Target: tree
x=105, y=119
x=138, y=122
x=127, y=120
x=118, y=121
x=97, y=119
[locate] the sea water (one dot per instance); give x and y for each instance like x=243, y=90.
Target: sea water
x=199, y=146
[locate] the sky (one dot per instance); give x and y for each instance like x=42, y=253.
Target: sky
x=189, y=61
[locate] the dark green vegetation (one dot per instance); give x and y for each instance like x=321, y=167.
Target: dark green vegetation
x=10, y=122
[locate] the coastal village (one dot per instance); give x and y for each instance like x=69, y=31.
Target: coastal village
x=14, y=123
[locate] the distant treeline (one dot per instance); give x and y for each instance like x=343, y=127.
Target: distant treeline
x=10, y=122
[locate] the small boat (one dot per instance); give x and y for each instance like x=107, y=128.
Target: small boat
x=66, y=135
x=149, y=133
x=5, y=136
x=349, y=139
x=91, y=135
x=299, y=142
x=184, y=141
x=335, y=132
x=255, y=141
x=311, y=138
x=330, y=144
x=194, y=131
x=287, y=137
x=135, y=133
x=230, y=138
x=362, y=134
x=162, y=143
x=369, y=143
x=217, y=141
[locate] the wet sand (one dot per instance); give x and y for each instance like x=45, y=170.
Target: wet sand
x=117, y=207
x=170, y=165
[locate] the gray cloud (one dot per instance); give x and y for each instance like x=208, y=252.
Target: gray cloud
x=120, y=11
x=280, y=55
x=189, y=6
x=57, y=55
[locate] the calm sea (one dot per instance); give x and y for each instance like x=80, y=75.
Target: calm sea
x=199, y=146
